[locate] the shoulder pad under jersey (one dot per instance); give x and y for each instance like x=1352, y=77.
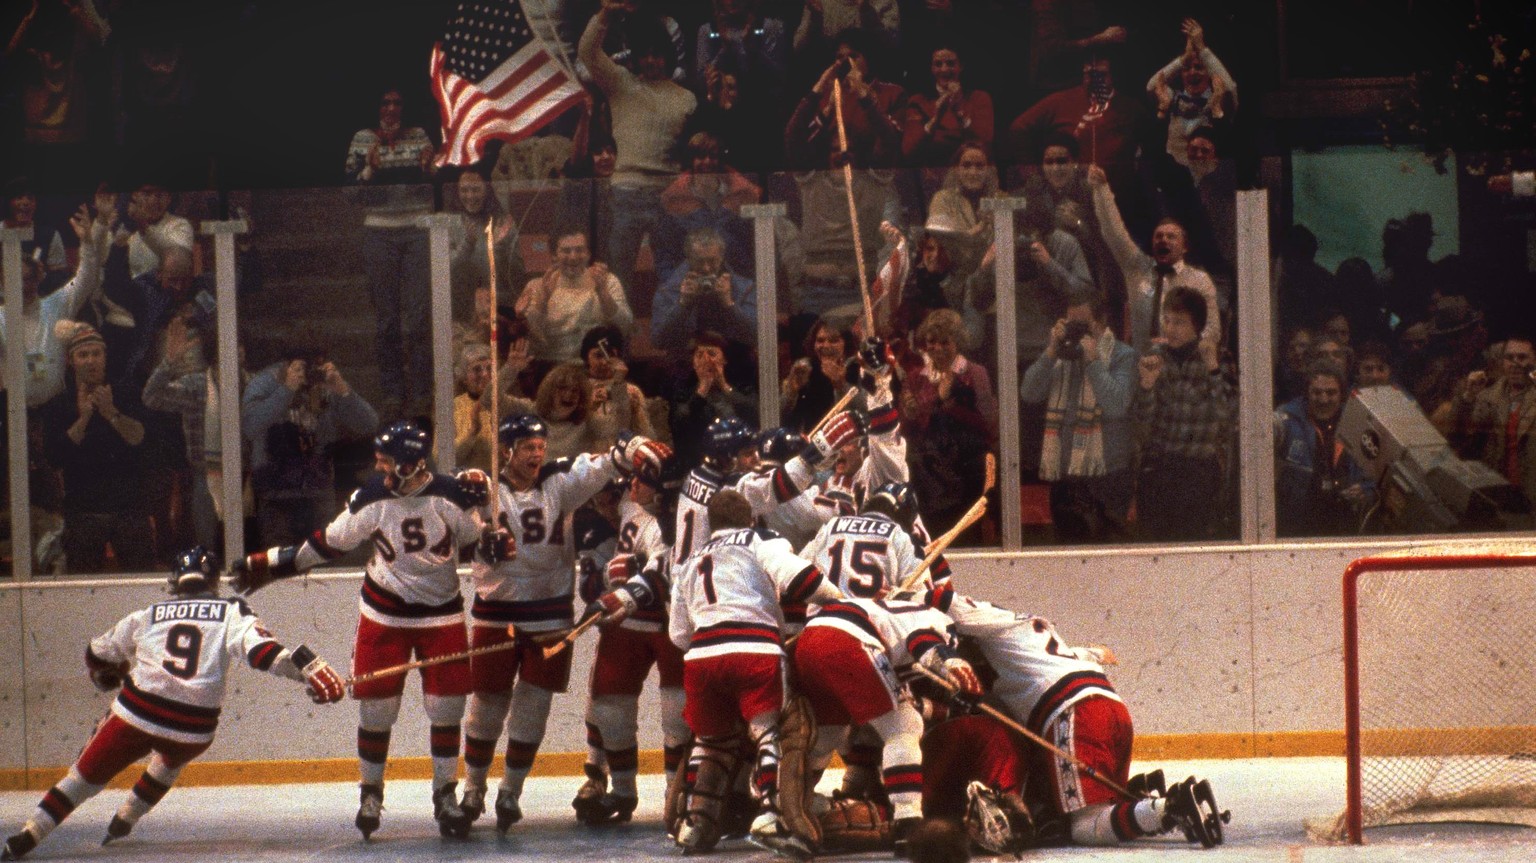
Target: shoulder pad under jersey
x=592, y=530
x=764, y=533
x=370, y=491
x=447, y=487
x=550, y=468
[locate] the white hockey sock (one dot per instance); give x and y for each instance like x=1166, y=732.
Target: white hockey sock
x=376, y=716
x=444, y=713
x=59, y=802
x=902, y=757
x=149, y=790
x=616, y=718
x=674, y=730
x=764, y=729
x=525, y=731
x=1113, y=823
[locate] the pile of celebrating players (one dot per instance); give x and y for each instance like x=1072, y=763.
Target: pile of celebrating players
x=785, y=589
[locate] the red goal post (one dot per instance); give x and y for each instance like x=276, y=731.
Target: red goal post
x=1440, y=687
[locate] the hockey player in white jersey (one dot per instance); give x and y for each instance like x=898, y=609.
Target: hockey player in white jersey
x=727, y=617
x=846, y=664
x=172, y=661
x=1062, y=693
x=533, y=592
x=872, y=553
x=420, y=525
x=729, y=451
x=633, y=638
x=798, y=518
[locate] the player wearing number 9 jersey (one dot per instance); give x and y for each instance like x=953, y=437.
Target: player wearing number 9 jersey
x=533, y=592
x=172, y=661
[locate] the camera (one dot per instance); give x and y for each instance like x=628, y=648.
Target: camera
x=314, y=371
x=1071, y=341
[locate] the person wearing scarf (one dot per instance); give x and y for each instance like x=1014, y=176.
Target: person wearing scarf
x=1086, y=385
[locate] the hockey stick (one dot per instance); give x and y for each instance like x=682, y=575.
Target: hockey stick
x=570, y=637
x=1088, y=770
x=853, y=211
x=841, y=403
x=404, y=667
x=495, y=491
x=972, y=515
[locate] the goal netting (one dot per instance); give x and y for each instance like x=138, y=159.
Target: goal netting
x=1440, y=688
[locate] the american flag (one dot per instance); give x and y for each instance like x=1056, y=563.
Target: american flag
x=888, y=283
x=495, y=79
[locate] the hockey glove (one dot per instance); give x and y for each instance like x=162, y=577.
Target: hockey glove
x=497, y=545
x=614, y=606
x=325, y=685
x=843, y=429
x=963, y=676
x=621, y=568
x=250, y=573
x=108, y=678
x=643, y=457
x=475, y=485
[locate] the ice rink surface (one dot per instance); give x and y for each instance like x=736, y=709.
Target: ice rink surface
x=1269, y=798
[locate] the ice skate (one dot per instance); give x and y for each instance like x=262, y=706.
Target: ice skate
x=370, y=805
x=507, y=810
x=18, y=846
x=768, y=831
x=588, y=800
x=117, y=829
x=473, y=801
x=451, y=820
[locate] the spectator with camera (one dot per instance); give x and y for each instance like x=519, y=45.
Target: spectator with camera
x=703, y=294
x=293, y=413
x=1086, y=378
x=1183, y=413
x=1319, y=489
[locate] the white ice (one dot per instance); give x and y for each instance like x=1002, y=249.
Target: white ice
x=1269, y=798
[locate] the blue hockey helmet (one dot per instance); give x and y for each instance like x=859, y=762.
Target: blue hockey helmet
x=779, y=445
x=521, y=427
x=195, y=570
x=895, y=499
x=725, y=437
x=405, y=442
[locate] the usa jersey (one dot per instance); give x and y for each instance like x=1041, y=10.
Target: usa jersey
x=903, y=632
x=535, y=590
x=1038, y=674
x=640, y=535
x=180, y=652
x=864, y=555
x=726, y=599
x=693, y=511
x=412, y=577
x=798, y=519
x=597, y=542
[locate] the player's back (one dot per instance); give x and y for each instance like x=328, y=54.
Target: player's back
x=693, y=511
x=864, y=555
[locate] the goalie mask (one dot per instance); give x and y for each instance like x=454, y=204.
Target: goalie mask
x=195, y=571
x=997, y=822
x=407, y=444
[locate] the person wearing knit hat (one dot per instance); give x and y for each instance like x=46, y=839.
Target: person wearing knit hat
x=93, y=437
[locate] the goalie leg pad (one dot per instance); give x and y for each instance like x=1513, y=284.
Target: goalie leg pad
x=708, y=776
x=797, y=732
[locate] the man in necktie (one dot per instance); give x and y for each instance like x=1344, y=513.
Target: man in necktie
x=1148, y=278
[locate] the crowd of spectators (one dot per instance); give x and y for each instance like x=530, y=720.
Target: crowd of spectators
x=882, y=140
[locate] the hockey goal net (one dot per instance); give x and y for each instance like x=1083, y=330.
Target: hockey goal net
x=1440, y=687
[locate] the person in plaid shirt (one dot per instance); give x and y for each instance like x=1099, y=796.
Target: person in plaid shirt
x=1183, y=412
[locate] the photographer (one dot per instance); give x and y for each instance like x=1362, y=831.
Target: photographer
x=700, y=295
x=293, y=412
x=1086, y=378
x=1319, y=489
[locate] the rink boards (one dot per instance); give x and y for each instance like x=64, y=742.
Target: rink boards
x=1225, y=652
